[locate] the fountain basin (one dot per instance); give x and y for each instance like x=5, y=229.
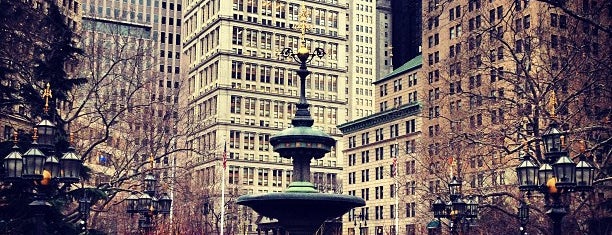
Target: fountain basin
x=301, y=212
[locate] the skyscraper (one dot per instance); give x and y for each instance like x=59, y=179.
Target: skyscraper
x=147, y=33
x=130, y=101
x=406, y=27
x=368, y=34
x=491, y=70
x=240, y=90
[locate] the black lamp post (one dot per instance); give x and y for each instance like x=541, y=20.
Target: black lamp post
x=561, y=178
x=523, y=216
x=363, y=222
x=146, y=204
x=461, y=213
x=39, y=165
x=84, y=208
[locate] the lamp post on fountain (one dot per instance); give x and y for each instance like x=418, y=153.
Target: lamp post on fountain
x=301, y=209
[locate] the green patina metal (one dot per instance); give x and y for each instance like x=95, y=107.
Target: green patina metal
x=301, y=187
x=412, y=64
x=301, y=209
x=300, y=131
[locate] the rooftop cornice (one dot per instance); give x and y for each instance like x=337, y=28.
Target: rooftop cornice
x=380, y=118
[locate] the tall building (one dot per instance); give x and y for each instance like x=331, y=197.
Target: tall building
x=481, y=63
x=369, y=34
x=241, y=91
x=381, y=150
x=147, y=34
x=384, y=33
x=132, y=63
x=492, y=68
x=406, y=25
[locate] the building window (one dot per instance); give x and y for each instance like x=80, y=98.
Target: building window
x=410, y=210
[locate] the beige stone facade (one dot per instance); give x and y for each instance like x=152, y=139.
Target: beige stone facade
x=240, y=91
x=369, y=34
x=371, y=145
x=488, y=67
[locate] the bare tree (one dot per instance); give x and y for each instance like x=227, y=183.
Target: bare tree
x=509, y=72
x=123, y=118
x=198, y=203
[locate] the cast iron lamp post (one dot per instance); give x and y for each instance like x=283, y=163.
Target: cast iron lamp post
x=35, y=165
x=556, y=177
x=523, y=216
x=363, y=222
x=461, y=213
x=40, y=166
x=84, y=208
x=147, y=204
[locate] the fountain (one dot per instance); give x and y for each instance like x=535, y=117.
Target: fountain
x=301, y=209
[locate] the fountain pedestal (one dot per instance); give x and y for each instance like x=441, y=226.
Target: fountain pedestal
x=301, y=209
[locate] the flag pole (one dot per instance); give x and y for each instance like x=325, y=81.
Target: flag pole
x=395, y=171
x=223, y=188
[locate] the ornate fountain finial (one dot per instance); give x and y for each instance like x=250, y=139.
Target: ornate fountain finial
x=303, y=26
x=303, y=56
x=46, y=95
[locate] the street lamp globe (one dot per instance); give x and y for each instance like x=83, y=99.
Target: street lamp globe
x=33, y=161
x=439, y=208
x=154, y=205
x=149, y=184
x=545, y=173
x=13, y=165
x=53, y=166
x=70, y=165
x=527, y=173
x=471, y=210
x=454, y=188
x=132, y=203
x=565, y=170
x=164, y=203
x=46, y=132
x=144, y=203
x=584, y=175
x=459, y=207
x=552, y=138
